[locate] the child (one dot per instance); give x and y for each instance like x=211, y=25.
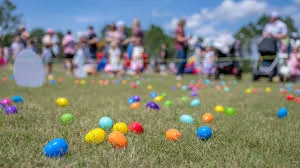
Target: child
x=294, y=62
x=208, y=62
x=47, y=58
x=114, y=56
x=16, y=47
x=137, y=60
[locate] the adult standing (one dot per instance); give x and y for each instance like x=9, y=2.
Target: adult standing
x=68, y=45
x=51, y=37
x=92, y=43
x=123, y=36
x=181, y=45
x=275, y=28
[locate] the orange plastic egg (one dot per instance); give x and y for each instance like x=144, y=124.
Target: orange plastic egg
x=173, y=135
x=207, y=117
x=135, y=105
x=117, y=140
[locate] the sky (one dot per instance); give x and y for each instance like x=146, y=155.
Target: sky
x=204, y=17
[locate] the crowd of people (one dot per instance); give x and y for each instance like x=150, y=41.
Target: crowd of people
x=123, y=54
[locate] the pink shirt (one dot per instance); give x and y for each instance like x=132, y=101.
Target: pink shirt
x=68, y=44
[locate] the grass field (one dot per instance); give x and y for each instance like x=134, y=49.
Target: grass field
x=254, y=137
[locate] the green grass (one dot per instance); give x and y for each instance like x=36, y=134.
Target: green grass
x=254, y=137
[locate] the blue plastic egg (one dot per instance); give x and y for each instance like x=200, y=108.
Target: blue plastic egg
x=184, y=87
x=195, y=103
x=289, y=90
x=222, y=82
x=52, y=82
x=226, y=89
x=138, y=82
x=153, y=95
x=207, y=81
x=105, y=122
x=297, y=92
x=204, y=132
x=130, y=100
x=282, y=113
x=56, y=148
x=12, y=77
x=17, y=99
x=185, y=118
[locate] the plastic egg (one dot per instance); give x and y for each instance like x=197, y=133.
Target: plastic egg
x=149, y=87
x=254, y=90
x=204, y=132
x=219, y=109
x=152, y=105
x=184, y=98
x=50, y=77
x=268, y=90
x=136, y=127
x=136, y=98
x=117, y=139
x=130, y=100
x=297, y=91
x=230, y=111
x=134, y=85
x=248, y=91
x=194, y=94
x=185, y=118
x=105, y=122
x=282, y=113
x=184, y=87
x=59, y=80
x=67, y=118
x=290, y=97
x=158, y=99
x=138, y=82
x=153, y=95
x=1, y=106
x=61, y=101
x=77, y=82
x=17, y=99
x=164, y=95
x=195, y=103
x=12, y=77
x=121, y=127
x=168, y=103
x=95, y=136
x=56, y=148
x=6, y=102
x=135, y=105
x=226, y=89
x=52, y=82
x=11, y=110
x=297, y=99
x=173, y=135
x=207, y=117
x=82, y=82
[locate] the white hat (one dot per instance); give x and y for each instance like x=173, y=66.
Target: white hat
x=274, y=14
x=120, y=23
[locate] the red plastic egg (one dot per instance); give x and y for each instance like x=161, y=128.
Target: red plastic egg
x=290, y=97
x=136, y=127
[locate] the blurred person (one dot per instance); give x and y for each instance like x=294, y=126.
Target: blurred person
x=163, y=59
x=68, y=45
x=275, y=28
x=51, y=38
x=208, y=60
x=114, y=65
x=137, y=60
x=294, y=62
x=92, y=43
x=47, y=56
x=181, y=45
x=24, y=36
x=16, y=47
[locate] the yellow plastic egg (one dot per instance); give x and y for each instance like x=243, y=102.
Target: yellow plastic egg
x=149, y=87
x=268, y=90
x=219, y=109
x=82, y=82
x=61, y=101
x=95, y=136
x=50, y=77
x=121, y=127
x=248, y=91
x=158, y=99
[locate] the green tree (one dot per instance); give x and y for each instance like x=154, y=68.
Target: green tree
x=37, y=35
x=9, y=21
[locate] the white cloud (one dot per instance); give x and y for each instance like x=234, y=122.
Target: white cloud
x=297, y=2
x=85, y=19
x=160, y=14
x=172, y=25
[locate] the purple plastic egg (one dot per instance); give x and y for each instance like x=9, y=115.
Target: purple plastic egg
x=174, y=88
x=194, y=94
x=6, y=102
x=136, y=98
x=11, y=110
x=152, y=105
